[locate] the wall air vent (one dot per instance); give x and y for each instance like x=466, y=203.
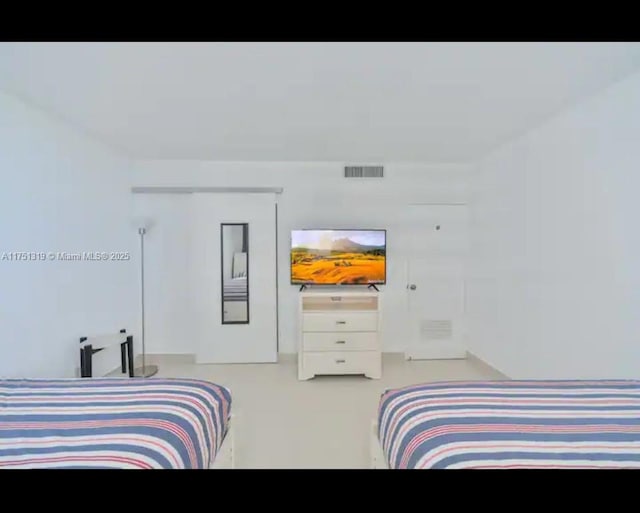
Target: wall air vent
x=437, y=329
x=364, y=171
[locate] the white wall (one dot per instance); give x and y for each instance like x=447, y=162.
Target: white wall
x=554, y=283
x=61, y=191
x=315, y=196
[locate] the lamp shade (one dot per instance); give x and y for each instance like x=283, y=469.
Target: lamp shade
x=142, y=222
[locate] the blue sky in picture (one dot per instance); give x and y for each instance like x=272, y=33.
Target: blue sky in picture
x=321, y=239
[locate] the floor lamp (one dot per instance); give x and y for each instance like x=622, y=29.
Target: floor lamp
x=146, y=371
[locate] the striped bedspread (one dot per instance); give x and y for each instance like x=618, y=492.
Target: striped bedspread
x=235, y=289
x=111, y=423
x=512, y=424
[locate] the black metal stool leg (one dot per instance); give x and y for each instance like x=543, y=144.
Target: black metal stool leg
x=130, y=355
x=123, y=357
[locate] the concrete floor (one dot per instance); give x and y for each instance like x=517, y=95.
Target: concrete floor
x=281, y=422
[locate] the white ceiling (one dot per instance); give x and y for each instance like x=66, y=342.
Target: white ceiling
x=354, y=102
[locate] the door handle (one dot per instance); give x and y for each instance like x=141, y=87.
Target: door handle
x=412, y=286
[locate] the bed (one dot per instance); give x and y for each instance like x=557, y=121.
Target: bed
x=235, y=289
x=115, y=423
x=509, y=424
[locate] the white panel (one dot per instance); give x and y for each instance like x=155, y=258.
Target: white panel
x=439, y=230
x=233, y=343
x=437, y=248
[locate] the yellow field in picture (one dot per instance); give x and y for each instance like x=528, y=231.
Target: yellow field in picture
x=338, y=257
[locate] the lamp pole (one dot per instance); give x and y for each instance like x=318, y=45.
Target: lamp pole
x=144, y=371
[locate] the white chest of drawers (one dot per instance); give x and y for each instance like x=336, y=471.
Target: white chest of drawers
x=339, y=334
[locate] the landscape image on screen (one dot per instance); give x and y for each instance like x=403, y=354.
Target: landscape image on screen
x=330, y=257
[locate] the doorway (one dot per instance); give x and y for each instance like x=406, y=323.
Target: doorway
x=437, y=240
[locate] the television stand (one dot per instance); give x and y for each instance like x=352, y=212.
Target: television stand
x=374, y=286
x=302, y=287
x=339, y=333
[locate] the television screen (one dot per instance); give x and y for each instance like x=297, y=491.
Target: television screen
x=338, y=257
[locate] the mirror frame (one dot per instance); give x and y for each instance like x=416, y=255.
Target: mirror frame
x=245, y=231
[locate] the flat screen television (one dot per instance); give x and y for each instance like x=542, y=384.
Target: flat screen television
x=339, y=257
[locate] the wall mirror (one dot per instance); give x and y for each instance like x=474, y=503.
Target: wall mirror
x=234, y=248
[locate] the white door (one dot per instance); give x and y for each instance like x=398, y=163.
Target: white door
x=437, y=240
x=212, y=275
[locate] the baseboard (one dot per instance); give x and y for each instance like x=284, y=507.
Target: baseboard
x=479, y=361
x=157, y=358
x=293, y=357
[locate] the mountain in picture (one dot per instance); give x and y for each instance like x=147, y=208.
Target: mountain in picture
x=331, y=257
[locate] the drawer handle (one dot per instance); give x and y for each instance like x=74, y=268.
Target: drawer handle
x=341, y=322
x=336, y=299
x=340, y=361
x=340, y=342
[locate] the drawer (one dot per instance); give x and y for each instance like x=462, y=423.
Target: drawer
x=364, y=321
x=346, y=341
x=336, y=362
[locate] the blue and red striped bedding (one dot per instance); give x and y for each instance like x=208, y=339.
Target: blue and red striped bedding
x=111, y=423
x=512, y=424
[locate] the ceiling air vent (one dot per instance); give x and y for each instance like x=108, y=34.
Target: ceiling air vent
x=363, y=171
